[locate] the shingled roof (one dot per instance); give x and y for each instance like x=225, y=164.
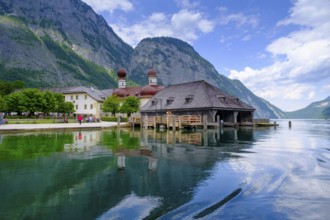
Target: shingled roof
x=198, y=95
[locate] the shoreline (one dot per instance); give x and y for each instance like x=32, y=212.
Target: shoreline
x=59, y=126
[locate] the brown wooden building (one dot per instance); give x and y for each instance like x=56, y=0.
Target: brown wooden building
x=195, y=104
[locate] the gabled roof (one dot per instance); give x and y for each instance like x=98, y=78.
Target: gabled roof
x=92, y=92
x=193, y=96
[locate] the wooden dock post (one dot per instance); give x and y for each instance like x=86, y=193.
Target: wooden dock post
x=167, y=121
x=218, y=120
x=180, y=123
x=204, y=122
x=145, y=119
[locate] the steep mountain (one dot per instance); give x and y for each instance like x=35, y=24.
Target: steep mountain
x=58, y=43
x=176, y=62
x=312, y=111
x=65, y=43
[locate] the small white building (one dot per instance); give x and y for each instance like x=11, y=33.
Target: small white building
x=86, y=101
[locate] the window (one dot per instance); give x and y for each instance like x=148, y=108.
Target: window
x=154, y=102
x=91, y=106
x=221, y=98
x=72, y=97
x=76, y=106
x=85, y=96
x=169, y=100
x=189, y=98
x=77, y=96
x=85, y=107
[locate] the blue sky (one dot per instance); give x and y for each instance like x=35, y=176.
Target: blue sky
x=279, y=49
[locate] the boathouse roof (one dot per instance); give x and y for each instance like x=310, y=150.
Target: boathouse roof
x=198, y=95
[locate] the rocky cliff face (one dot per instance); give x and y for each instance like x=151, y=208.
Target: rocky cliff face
x=65, y=43
x=61, y=38
x=75, y=24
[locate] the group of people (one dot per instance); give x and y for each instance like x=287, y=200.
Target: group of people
x=91, y=118
x=3, y=121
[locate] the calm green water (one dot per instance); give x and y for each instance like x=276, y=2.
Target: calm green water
x=265, y=173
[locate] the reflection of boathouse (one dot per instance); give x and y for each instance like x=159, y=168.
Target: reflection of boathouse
x=195, y=104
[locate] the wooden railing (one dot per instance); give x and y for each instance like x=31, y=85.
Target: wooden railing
x=183, y=120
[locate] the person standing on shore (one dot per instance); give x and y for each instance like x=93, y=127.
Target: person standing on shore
x=1, y=118
x=80, y=118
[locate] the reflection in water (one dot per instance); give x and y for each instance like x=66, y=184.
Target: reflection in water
x=147, y=174
x=138, y=207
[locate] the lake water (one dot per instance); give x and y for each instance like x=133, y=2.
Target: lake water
x=246, y=173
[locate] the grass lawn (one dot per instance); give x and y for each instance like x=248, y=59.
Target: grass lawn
x=36, y=121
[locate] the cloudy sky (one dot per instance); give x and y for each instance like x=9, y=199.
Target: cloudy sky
x=280, y=49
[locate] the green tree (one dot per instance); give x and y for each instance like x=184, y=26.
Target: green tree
x=66, y=108
x=130, y=105
x=32, y=101
x=49, y=103
x=59, y=100
x=111, y=104
x=13, y=102
x=3, y=105
x=326, y=113
x=8, y=87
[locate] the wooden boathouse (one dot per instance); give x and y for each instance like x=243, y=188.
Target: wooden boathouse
x=195, y=104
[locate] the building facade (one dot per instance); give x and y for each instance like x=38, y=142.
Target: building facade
x=86, y=101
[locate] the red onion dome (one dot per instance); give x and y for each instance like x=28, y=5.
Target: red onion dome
x=121, y=73
x=120, y=92
x=152, y=73
x=148, y=90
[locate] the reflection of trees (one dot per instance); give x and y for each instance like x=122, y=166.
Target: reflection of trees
x=120, y=139
x=14, y=147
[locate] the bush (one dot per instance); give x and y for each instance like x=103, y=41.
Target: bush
x=113, y=119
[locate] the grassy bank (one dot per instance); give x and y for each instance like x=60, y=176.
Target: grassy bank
x=37, y=121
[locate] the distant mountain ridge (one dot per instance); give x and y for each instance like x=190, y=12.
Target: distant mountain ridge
x=49, y=43
x=312, y=111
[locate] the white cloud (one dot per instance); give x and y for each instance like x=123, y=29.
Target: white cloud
x=110, y=5
x=301, y=59
x=186, y=25
x=239, y=19
x=309, y=13
x=191, y=22
x=187, y=4
x=326, y=88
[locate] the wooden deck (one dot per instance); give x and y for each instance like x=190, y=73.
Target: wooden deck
x=168, y=121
